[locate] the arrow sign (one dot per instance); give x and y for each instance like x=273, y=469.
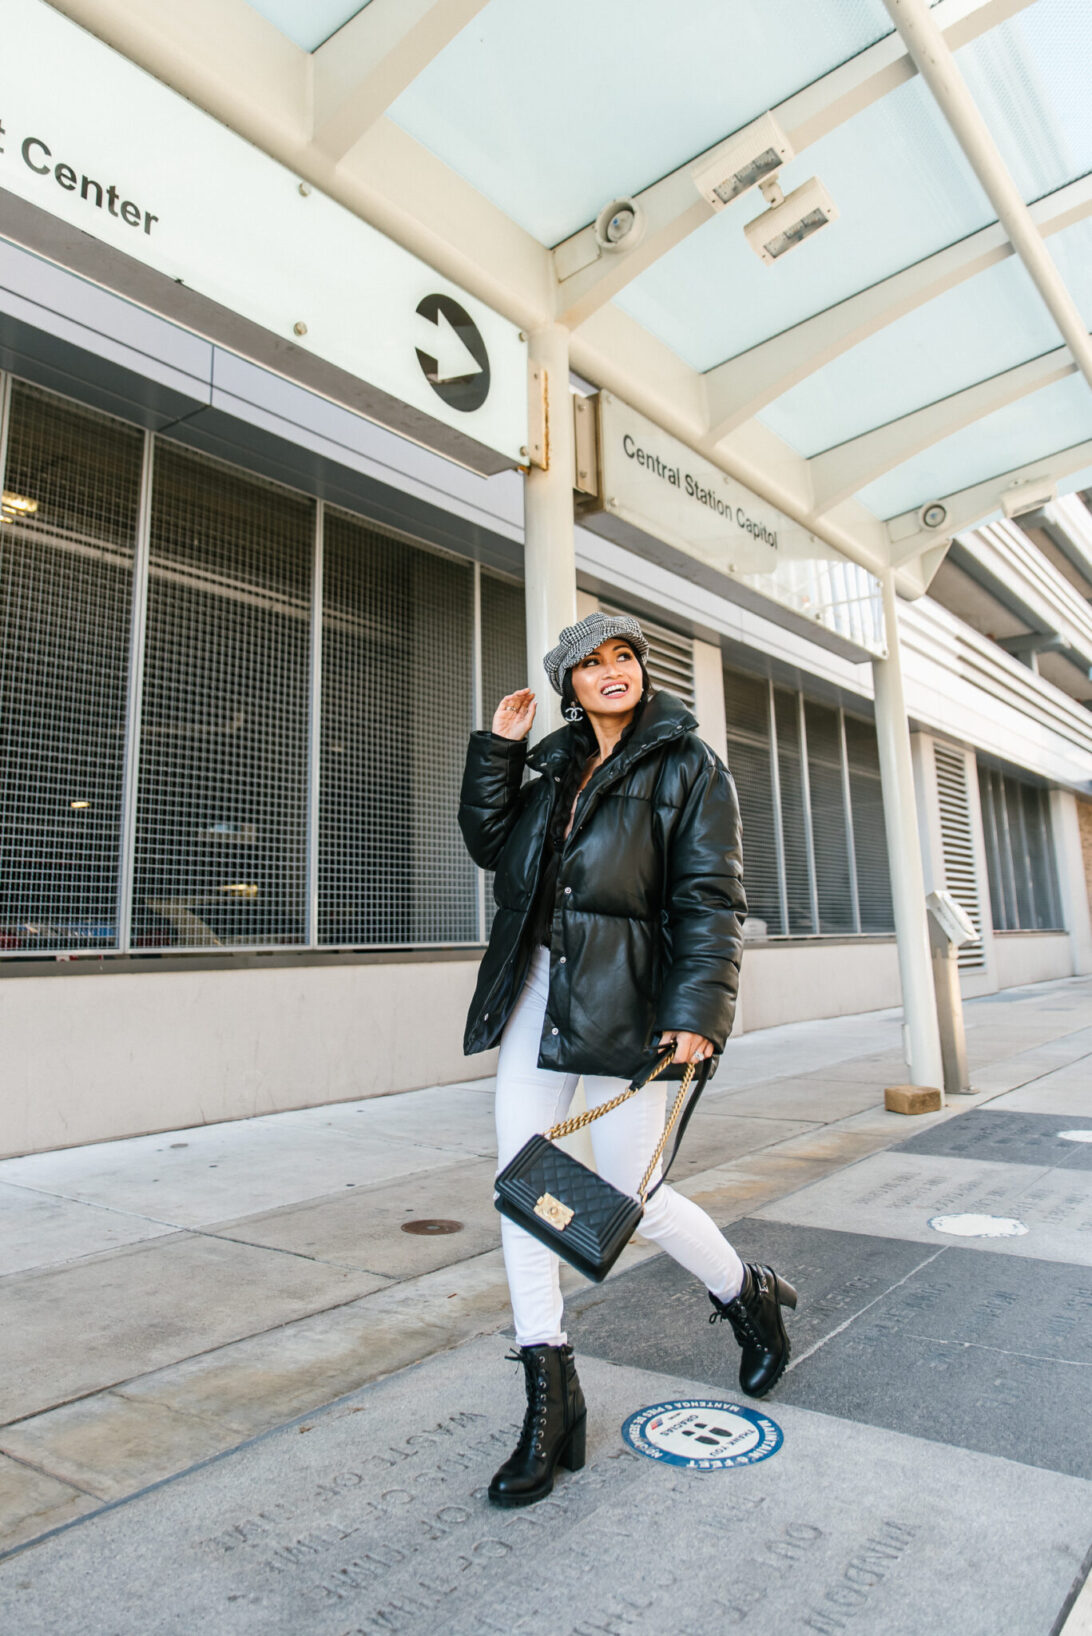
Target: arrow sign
x=452, y=359
x=456, y=364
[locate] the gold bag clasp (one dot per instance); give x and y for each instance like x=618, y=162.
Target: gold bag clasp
x=552, y=1210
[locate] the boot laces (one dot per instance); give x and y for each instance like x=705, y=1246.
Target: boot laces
x=743, y=1325
x=536, y=1375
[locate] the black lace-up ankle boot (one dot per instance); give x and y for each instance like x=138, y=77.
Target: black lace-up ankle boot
x=755, y=1317
x=553, y=1428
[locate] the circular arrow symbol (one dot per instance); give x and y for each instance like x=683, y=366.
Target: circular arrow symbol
x=454, y=359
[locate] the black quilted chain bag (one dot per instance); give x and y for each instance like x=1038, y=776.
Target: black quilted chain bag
x=571, y=1209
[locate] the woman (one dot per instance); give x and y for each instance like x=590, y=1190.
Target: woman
x=619, y=909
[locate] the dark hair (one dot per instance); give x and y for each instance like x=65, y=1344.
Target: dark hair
x=582, y=743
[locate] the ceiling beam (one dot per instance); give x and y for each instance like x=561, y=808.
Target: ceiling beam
x=588, y=277
x=968, y=507
x=938, y=68
x=740, y=387
x=843, y=470
x=363, y=68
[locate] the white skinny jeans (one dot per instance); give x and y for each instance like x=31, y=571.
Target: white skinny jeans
x=530, y=1099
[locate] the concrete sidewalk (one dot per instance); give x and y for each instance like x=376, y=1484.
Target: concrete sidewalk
x=179, y=1308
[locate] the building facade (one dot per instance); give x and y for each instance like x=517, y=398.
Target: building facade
x=248, y=617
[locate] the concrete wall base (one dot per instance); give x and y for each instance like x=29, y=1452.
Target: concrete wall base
x=797, y=982
x=1032, y=957
x=91, y=1058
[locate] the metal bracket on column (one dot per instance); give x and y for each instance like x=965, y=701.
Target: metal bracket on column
x=586, y=445
x=537, y=450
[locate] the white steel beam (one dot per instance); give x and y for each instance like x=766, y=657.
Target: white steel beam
x=843, y=470
x=588, y=277
x=359, y=71
x=740, y=387
x=972, y=505
x=937, y=67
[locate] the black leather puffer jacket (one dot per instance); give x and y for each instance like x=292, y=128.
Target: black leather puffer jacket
x=647, y=928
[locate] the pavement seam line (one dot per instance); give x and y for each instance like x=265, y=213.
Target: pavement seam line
x=202, y=1228
x=43, y=1471
x=852, y=1319
x=999, y=1351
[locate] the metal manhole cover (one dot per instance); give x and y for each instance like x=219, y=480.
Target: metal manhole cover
x=431, y=1225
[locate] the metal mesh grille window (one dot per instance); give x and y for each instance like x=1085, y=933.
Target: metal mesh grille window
x=747, y=709
x=504, y=668
x=1019, y=853
x=397, y=655
x=71, y=494
x=869, y=834
x=835, y=885
x=504, y=644
x=220, y=853
x=957, y=846
x=814, y=847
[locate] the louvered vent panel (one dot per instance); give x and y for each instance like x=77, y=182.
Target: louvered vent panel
x=670, y=657
x=957, y=847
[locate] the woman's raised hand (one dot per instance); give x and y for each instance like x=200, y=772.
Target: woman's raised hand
x=514, y=714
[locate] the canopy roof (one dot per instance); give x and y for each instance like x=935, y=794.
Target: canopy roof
x=904, y=354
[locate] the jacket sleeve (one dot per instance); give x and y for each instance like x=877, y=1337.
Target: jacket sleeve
x=489, y=801
x=705, y=908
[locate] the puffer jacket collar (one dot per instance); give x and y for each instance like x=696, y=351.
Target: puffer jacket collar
x=664, y=718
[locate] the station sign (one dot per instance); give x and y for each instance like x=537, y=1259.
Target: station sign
x=89, y=140
x=664, y=500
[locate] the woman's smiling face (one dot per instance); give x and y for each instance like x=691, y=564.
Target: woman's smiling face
x=608, y=682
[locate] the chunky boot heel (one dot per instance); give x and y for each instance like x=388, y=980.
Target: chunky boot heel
x=554, y=1427
x=786, y=1295
x=576, y=1448
x=755, y=1317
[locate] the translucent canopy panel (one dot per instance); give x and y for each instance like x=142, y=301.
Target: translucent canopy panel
x=903, y=190
x=1072, y=253
x=308, y=22
x=1029, y=77
x=1036, y=426
x=552, y=111
x=988, y=324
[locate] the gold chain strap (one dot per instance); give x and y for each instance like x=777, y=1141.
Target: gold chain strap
x=578, y=1121
x=642, y=1191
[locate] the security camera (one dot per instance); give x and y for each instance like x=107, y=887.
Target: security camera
x=620, y=225
x=790, y=220
x=933, y=516
x=1029, y=495
x=757, y=151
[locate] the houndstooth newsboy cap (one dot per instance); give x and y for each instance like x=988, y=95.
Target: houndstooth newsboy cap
x=577, y=641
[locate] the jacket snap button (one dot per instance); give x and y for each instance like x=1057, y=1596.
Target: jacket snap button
x=485, y=1016
x=568, y=891
x=556, y=779
x=561, y=962
x=553, y=1030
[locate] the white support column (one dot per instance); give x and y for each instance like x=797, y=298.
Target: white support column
x=904, y=851
x=549, y=552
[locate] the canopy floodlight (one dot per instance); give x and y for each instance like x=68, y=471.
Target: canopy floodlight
x=620, y=225
x=1028, y=495
x=791, y=219
x=757, y=151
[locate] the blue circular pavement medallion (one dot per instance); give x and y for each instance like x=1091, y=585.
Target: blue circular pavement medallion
x=702, y=1434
